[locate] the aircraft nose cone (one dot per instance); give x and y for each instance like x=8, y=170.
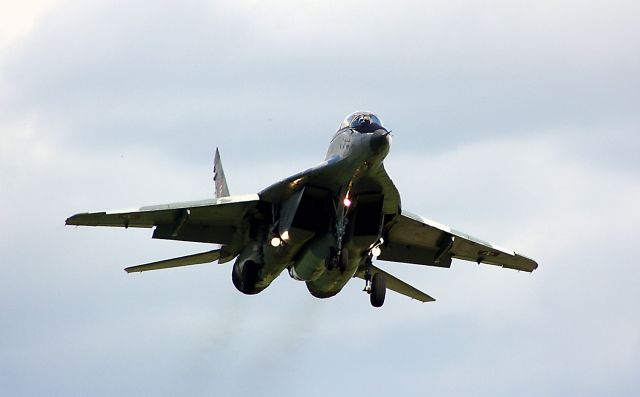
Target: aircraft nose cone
x=379, y=141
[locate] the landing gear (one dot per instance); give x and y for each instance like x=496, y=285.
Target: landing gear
x=375, y=286
x=338, y=256
x=343, y=261
x=338, y=259
x=378, y=290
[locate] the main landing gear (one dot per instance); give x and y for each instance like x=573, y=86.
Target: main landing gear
x=375, y=286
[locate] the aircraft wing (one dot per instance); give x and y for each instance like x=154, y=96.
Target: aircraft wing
x=208, y=221
x=413, y=239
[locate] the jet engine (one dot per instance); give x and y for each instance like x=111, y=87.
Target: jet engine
x=311, y=262
x=246, y=273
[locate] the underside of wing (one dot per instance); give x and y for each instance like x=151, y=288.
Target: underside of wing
x=413, y=239
x=208, y=221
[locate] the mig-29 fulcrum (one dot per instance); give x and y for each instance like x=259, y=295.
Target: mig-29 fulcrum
x=324, y=225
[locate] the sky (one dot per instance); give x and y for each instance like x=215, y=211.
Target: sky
x=516, y=122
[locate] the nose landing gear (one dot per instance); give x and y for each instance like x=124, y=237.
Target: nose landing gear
x=339, y=259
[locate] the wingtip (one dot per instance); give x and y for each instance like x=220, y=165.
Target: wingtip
x=132, y=269
x=74, y=220
x=534, y=265
x=70, y=220
x=526, y=264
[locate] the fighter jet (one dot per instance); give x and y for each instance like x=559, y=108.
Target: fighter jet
x=324, y=225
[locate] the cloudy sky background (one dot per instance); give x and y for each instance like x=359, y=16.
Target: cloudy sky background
x=516, y=122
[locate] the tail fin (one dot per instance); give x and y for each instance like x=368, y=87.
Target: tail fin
x=222, y=190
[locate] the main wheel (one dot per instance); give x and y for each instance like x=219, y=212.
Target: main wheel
x=378, y=290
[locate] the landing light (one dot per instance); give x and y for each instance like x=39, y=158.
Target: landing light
x=276, y=242
x=285, y=235
x=376, y=251
x=347, y=202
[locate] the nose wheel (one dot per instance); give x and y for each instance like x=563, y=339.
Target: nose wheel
x=375, y=286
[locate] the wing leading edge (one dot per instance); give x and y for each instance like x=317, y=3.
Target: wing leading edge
x=208, y=221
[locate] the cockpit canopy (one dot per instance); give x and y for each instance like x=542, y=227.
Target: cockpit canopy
x=362, y=122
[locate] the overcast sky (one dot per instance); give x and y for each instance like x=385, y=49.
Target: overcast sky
x=515, y=122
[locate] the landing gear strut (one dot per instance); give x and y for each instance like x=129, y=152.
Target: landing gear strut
x=338, y=258
x=375, y=285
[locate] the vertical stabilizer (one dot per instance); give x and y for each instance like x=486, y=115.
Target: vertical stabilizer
x=222, y=190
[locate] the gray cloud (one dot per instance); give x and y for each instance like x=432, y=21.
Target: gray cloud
x=231, y=71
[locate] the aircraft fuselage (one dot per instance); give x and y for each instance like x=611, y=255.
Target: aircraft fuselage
x=322, y=232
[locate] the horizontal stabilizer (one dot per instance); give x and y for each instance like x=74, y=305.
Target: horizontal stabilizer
x=397, y=285
x=196, y=259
